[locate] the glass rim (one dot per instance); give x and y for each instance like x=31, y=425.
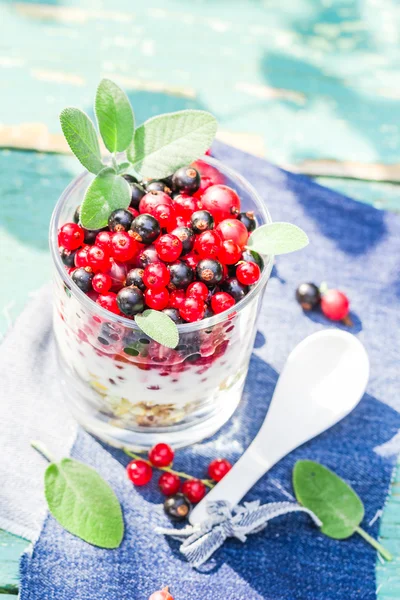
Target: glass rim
x=183, y=327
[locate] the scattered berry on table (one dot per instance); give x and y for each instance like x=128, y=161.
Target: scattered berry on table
x=102, y=283
x=130, y=300
x=120, y=220
x=194, y=490
x=181, y=275
x=199, y=290
x=210, y=271
x=308, y=296
x=71, y=236
x=169, y=484
x=187, y=237
x=139, y=472
x=222, y=202
x=335, y=305
x=208, y=244
x=98, y=259
x=83, y=279
x=169, y=247
x=248, y=273
x=218, y=468
x=161, y=595
x=221, y=301
x=123, y=246
x=68, y=257
x=109, y=302
x=234, y=288
x=145, y=228
x=201, y=220
x=229, y=253
x=156, y=299
x=178, y=507
x=248, y=220
x=192, y=309
x=234, y=230
x=186, y=180
x=135, y=277
x=156, y=276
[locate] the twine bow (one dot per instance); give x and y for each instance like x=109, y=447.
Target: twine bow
x=201, y=541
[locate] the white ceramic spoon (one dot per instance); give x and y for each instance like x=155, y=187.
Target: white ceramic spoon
x=323, y=380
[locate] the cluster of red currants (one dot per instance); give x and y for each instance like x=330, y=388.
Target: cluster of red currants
x=161, y=456
x=178, y=248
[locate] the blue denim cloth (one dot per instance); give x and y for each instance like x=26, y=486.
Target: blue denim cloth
x=356, y=248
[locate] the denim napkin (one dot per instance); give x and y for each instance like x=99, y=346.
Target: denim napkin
x=353, y=247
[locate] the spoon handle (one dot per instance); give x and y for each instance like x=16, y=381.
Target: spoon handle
x=236, y=483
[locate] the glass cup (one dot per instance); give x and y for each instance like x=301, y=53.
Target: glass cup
x=127, y=389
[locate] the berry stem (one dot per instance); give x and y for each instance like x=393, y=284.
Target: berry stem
x=39, y=447
x=207, y=482
x=382, y=551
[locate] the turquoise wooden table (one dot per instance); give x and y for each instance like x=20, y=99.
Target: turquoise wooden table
x=313, y=85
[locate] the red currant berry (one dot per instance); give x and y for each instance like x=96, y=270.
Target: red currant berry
x=208, y=244
x=176, y=299
x=98, y=259
x=161, y=595
x=230, y=253
x=133, y=211
x=103, y=240
x=221, y=301
x=81, y=257
x=218, y=468
x=235, y=230
x=161, y=455
x=109, y=302
x=185, y=206
x=194, y=490
x=192, y=309
x=123, y=246
x=165, y=215
x=117, y=272
x=191, y=259
x=169, y=484
x=153, y=199
x=156, y=276
x=71, y=236
x=139, y=472
x=335, y=305
x=248, y=273
x=169, y=247
x=197, y=289
x=221, y=201
x=102, y=283
x=156, y=299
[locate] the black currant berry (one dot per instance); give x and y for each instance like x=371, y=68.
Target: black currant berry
x=135, y=277
x=90, y=235
x=130, y=300
x=210, y=271
x=68, y=257
x=177, y=507
x=120, y=220
x=145, y=228
x=83, y=279
x=181, y=275
x=155, y=185
x=137, y=191
x=202, y=220
x=187, y=237
x=130, y=178
x=173, y=314
x=308, y=296
x=248, y=220
x=234, y=288
x=146, y=257
x=77, y=214
x=253, y=257
x=186, y=180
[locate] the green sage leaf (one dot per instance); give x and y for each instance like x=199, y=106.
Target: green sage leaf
x=114, y=116
x=83, y=503
x=333, y=501
x=277, y=238
x=81, y=136
x=107, y=192
x=164, y=143
x=159, y=327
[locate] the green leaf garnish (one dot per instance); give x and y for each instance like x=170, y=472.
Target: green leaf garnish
x=164, y=143
x=82, y=502
x=107, y=192
x=159, y=327
x=114, y=116
x=81, y=136
x=277, y=238
x=334, y=502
